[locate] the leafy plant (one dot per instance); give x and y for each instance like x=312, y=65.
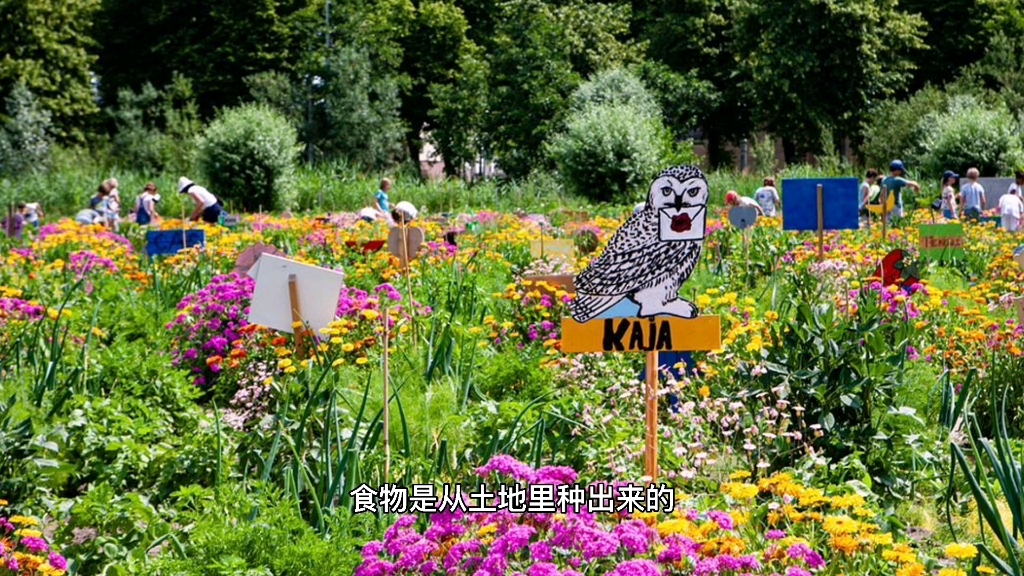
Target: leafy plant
x=248, y=156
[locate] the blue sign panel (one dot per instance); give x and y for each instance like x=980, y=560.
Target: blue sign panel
x=839, y=203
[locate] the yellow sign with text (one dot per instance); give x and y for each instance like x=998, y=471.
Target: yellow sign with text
x=552, y=248
x=662, y=334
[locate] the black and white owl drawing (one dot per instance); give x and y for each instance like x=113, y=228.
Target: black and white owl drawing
x=652, y=253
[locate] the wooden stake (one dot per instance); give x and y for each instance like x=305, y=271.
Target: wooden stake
x=746, y=252
x=885, y=211
x=651, y=412
x=408, y=281
x=821, y=226
x=300, y=331
x=387, y=402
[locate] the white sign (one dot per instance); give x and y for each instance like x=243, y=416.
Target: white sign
x=318, y=292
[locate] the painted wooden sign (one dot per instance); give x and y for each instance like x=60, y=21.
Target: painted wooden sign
x=665, y=334
x=553, y=248
x=941, y=242
x=160, y=242
x=627, y=299
x=896, y=268
x=404, y=243
x=839, y=200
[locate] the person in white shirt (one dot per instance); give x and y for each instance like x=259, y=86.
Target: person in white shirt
x=734, y=199
x=208, y=206
x=33, y=213
x=1011, y=208
x=89, y=216
x=768, y=197
x=404, y=212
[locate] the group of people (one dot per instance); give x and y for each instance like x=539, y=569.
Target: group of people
x=766, y=199
x=30, y=213
x=381, y=210
x=105, y=206
x=972, y=198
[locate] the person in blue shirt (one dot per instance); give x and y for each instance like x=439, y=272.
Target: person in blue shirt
x=895, y=183
x=381, y=203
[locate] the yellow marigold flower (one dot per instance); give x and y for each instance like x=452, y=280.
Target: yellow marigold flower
x=848, y=501
x=844, y=543
x=704, y=391
x=486, y=529
x=986, y=570
x=23, y=520
x=952, y=572
x=703, y=300
x=740, y=491
x=812, y=497
x=371, y=314
x=912, y=569
x=28, y=532
x=284, y=363
x=883, y=539
x=900, y=553
x=739, y=475
x=289, y=370
x=361, y=360
x=337, y=362
x=674, y=526
x=3, y=502
x=336, y=340
x=961, y=551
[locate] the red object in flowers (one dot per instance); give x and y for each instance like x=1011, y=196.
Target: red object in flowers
x=895, y=269
x=368, y=246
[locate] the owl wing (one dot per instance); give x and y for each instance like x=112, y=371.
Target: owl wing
x=635, y=259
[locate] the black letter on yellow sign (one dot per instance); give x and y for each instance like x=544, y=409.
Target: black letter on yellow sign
x=613, y=335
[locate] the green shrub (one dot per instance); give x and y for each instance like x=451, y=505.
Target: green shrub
x=156, y=128
x=969, y=133
x=607, y=151
x=615, y=87
x=248, y=156
x=896, y=129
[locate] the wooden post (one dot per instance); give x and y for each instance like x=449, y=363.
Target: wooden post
x=821, y=226
x=408, y=281
x=651, y=413
x=300, y=331
x=885, y=212
x=746, y=253
x=387, y=402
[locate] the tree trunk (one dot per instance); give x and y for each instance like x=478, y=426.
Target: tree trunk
x=789, y=151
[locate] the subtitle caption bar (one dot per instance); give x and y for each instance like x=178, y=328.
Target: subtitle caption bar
x=514, y=498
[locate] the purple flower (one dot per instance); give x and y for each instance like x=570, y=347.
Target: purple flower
x=799, y=550
x=543, y=569
x=775, y=534
x=58, y=561
x=797, y=571
x=540, y=552
x=507, y=466
x=636, y=568
x=814, y=560
x=34, y=544
x=635, y=536
x=723, y=519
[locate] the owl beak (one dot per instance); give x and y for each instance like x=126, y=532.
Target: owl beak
x=679, y=203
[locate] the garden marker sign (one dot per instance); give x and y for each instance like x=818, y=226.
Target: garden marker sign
x=941, y=242
x=287, y=292
x=820, y=204
x=559, y=247
x=159, y=242
x=627, y=299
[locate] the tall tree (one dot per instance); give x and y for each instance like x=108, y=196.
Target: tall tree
x=46, y=46
x=215, y=43
x=958, y=34
x=538, y=55
x=821, y=64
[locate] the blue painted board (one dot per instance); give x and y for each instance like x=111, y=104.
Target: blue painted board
x=160, y=242
x=839, y=197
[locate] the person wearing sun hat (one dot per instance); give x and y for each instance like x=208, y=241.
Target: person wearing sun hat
x=949, y=179
x=896, y=182
x=208, y=206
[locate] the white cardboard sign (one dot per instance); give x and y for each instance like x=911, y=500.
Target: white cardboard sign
x=318, y=292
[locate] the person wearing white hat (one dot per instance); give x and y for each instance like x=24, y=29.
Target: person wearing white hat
x=404, y=212
x=208, y=206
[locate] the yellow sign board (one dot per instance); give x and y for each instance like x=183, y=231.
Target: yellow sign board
x=662, y=334
x=552, y=248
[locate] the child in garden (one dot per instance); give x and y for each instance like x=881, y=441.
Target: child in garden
x=98, y=202
x=208, y=206
x=768, y=197
x=1019, y=184
x=88, y=216
x=15, y=222
x=972, y=195
x=380, y=200
x=734, y=199
x=113, y=203
x=869, y=190
x=896, y=182
x=1011, y=207
x=33, y=213
x=949, y=195
x=404, y=212
x=145, y=205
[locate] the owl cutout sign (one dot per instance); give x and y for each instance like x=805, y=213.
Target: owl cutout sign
x=627, y=299
x=652, y=254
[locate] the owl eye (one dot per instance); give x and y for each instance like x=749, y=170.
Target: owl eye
x=667, y=191
x=693, y=191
